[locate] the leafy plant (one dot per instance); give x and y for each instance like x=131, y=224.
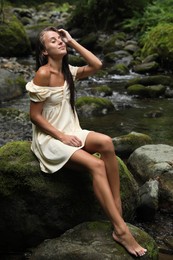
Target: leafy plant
x=104, y=14
x=157, y=12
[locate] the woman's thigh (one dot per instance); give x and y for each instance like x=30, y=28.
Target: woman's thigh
x=97, y=142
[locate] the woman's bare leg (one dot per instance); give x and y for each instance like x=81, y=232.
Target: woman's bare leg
x=102, y=190
x=101, y=143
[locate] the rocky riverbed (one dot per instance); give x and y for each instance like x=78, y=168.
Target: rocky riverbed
x=119, y=59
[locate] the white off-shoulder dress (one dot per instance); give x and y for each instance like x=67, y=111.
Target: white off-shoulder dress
x=52, y=153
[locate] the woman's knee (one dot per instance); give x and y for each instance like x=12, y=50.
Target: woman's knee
x=98, y=167
x=106, y=144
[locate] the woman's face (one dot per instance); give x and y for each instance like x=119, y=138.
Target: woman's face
x=54, y=46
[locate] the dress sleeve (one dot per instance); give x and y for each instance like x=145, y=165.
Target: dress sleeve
x=73, y=70
x=37, y=93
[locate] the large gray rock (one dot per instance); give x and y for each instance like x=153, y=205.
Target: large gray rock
x=146, y=67
x=149, y=197
x=92, y=240
x=11, y=85
x=156, y=162
x=35, y=206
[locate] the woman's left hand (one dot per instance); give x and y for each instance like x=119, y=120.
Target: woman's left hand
x=66, y=37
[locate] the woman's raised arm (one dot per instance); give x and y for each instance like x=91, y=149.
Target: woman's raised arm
x=93, y=63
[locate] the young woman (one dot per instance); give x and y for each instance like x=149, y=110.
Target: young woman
x=59, y=141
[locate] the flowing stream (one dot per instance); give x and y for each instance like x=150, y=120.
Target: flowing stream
x=150, y=116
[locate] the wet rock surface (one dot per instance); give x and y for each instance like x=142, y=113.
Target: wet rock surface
x=92, y=240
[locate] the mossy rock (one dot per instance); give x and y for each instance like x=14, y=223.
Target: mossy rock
x=102, y=90
x=120, y=69
x=146, y=67
x=35, y=206
x=12, y=85
x=76, y=60
x=146, y=91
x=151, y=80
x=159, y=40
x=12, y=113
x=14, y=40
x=109, y=45
x=126, y=144
x=110, y=57
x=93, y=240
x=89, y=40
x=126, y=191
x=93, y=106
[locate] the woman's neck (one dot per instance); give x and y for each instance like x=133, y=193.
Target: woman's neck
x=55, y=65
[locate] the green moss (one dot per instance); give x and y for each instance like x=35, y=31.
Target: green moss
x=14, y=41
x=137, y=89
x=119, y=69
x=76, y=60
x=17, y=158
x=151, y=80
x=103, y=90
x=17, y=162
x=127, y=181
x=146, y=91
x=159, y=40
x=98, y=225
x=109, y=44
x=20, y=81
x=13, y=113
x=135, y=139
x=98, y=102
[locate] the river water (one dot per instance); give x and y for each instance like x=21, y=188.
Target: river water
x=149, y=116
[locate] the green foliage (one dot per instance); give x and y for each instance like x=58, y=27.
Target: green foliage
x=159, y=40
x=157, y=12
x=103, y=14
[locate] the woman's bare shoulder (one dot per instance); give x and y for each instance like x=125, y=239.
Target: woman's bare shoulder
x=42, y=76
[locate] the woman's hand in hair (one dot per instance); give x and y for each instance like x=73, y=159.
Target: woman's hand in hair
x=66, y=37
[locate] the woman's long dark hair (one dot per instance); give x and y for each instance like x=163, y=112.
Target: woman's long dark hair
x=41, y=60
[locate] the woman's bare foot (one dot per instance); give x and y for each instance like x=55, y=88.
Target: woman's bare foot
x=128, y=241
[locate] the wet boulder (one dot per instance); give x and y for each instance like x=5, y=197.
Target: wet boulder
x=14, y=125
x=126, y=144
x=92, y=240
x=155, y=162
x=101, y=90
x=146, y=67
x=87, y=106
x=149, y=198
x=12, y=85
x=14, y=40
x=36, y=206
x=153, y=91
x=119, y=69
x=151, y=80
